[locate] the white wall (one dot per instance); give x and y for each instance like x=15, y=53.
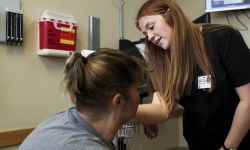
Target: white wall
x=168, y=137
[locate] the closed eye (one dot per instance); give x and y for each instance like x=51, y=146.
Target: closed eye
x=151, y=27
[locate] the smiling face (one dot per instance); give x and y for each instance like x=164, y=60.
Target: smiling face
x=156, y=29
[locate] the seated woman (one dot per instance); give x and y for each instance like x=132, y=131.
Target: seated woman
x=104, y=89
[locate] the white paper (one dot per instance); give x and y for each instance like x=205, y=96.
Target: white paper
x=232, y=1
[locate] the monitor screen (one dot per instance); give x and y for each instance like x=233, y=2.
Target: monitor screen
x=224, y=5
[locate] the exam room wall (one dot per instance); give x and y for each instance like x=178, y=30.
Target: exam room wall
x=30, y=89
x=30, y=84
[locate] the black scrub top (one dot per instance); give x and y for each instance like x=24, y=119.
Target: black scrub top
x=207, y=115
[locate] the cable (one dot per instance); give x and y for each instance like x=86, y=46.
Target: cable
x=120, y=7
x=236, y=16
x=122, y=3
x=245, y=12
x=245, y=27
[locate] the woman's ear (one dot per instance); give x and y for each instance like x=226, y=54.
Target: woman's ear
x=117, y=101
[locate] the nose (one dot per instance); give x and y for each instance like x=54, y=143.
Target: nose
x=150, y=36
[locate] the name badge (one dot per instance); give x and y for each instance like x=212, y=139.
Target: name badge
x=204, y=82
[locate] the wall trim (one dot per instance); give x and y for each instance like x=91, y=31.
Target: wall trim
x=14, y=137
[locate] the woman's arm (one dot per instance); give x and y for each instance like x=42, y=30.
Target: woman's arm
x=241, y=120
x=153, y=113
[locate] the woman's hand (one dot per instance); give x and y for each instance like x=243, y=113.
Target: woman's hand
x=150, y=130
x=157, y=99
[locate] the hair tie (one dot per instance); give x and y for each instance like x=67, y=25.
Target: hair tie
x=85, y=53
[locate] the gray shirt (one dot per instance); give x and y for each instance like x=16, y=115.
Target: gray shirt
x=65, y=131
